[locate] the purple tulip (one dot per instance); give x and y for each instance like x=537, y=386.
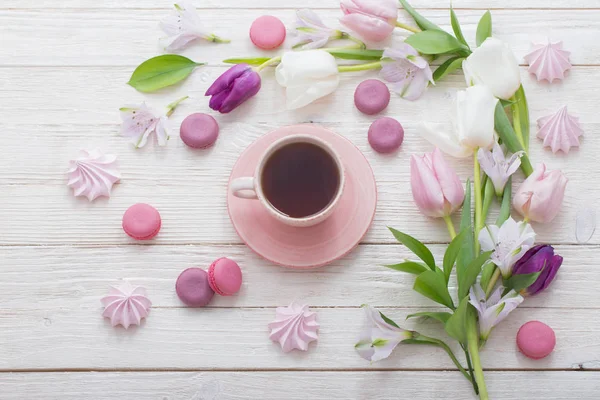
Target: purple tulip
x=234, y=87
x=538, y=258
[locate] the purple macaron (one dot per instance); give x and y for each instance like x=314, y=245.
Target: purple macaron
x=193, y=288
x=371, y=97
x=199, y=130
x=386, y=135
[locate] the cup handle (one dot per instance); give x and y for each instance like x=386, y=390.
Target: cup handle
x=243, y=188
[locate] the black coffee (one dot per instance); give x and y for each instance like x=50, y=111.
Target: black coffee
x=300, y=179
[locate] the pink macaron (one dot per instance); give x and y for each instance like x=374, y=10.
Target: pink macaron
x=386, y=135
x=267, y=32
x=141, y=221
x=225, y=277
x=193, y=289
x=536, y=340
x=371, y=97
x=199, y=131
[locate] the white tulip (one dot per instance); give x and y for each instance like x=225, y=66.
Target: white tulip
x=307, y=76
x=494, y=65
x=473, y=124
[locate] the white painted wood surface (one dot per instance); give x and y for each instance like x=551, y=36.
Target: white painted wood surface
x=63, y=68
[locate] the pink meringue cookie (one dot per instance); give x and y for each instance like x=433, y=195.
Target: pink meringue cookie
x=548, y=61
x=560, y=131
x=126, y=305
x=93, y=174
x=294, y=327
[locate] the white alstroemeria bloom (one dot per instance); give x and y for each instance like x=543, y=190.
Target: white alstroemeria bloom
x=509, y=243
x=307, y=76
x=495, y=165
x=379, y=338
x=408, y=72
x=473, y=124
x=494, y=65
x=311, y=32
x=493, y=310
x=182, y=26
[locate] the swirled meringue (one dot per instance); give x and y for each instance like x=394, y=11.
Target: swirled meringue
x=560, y=131
x=93, y=174
x=548, y=61
x=294, y=327
x=126, y=305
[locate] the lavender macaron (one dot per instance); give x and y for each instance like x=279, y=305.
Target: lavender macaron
x=386, y=135
x=199, y=131
x=371, y=97
x=193, y=289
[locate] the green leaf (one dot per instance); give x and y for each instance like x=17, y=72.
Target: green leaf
x=506, y=103
x=389, y=321
x=432, y=284
x=438, y=316
x=456, y=27
x=356, y=54
x=449, y=66
x=456, y=326
x=486, y=274
x=520, y=282
x=520, y=112
x=418, y=248
x=410, y=267
x=160, y=72
x=467, y=251
x=470, y=273
x=509, y=137
x=484, y=29
x=506, y=203
x=253, y=61
x=434, y=42
x=452, y=251
x=421, y=21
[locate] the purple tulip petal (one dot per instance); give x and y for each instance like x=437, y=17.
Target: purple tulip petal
x=224, y=81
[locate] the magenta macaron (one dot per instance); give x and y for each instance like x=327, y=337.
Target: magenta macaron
x=267, y=32
x=225, y=277
x=141, y=221
x=536, y=340
x=371, y=97
x=193, y=289
x=199, y=130
x=386, y=135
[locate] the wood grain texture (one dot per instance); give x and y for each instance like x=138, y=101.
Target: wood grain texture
x=129, y=36
x=376, y=385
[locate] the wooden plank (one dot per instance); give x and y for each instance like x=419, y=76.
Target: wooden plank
x=129, y=36
x=379, y=385
x=238, y=338
x=75, y=277
x=293, y=4
x=84, y=115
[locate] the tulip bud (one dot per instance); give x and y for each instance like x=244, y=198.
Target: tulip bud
x=538, y=258
x=234, y=87
x=540, y=196
x=372, y=19
x=436, y=188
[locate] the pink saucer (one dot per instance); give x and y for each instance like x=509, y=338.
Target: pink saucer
x=314, y=246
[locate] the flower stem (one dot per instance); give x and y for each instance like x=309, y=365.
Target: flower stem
x=272, y=61
x=492, y=282
x=359, y=43
x=450, y=226
x=478, y=203
x=359, y=67
x=473, y=345
x=443, y=345
x=488, y=196
x=171, y=107
x=216, y=39
x=407, y=27
x=470, y=366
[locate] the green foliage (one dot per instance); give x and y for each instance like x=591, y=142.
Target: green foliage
x=506, y=132
x=520, y=111
x=467, y=251
x=520, y=282
x=253, y=61
x=452, y=251
x=389, y=321
x=421, y=21
x=484, y=28
x=160, y=72
x=456, y=325
x=435, y=42
x=356, y=54
x=456, y=27
x=506, y=203
x=418, y=248
x=486, y=274
x=438, y=316
x=432, y=284
x=469, y=275
x=410, y=267
x=449, y=66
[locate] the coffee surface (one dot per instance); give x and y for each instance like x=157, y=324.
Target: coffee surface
x=300, y=179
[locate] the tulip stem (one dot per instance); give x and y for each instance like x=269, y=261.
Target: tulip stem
x=359, y=67
x=478, y=202
x=272, y=61
x=492, y=282
x=473, y=345
x=359, y=43
x=450, y=226
x=407, y=27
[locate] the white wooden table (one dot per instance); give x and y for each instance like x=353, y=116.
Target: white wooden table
x=63, y=68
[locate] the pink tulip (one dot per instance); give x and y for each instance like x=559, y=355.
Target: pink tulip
x=374, y=20
x=436, y=187
x=539, y=197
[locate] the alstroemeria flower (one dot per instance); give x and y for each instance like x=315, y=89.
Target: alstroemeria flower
x=184, y=26
x=379, y=338
x=509, y=242
x=307, y=76
x=493, y=310
x=311, y=32
x=473, y=124
x=497, y=167
x=408, y=72
x=540, y=195
x=139, y=122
